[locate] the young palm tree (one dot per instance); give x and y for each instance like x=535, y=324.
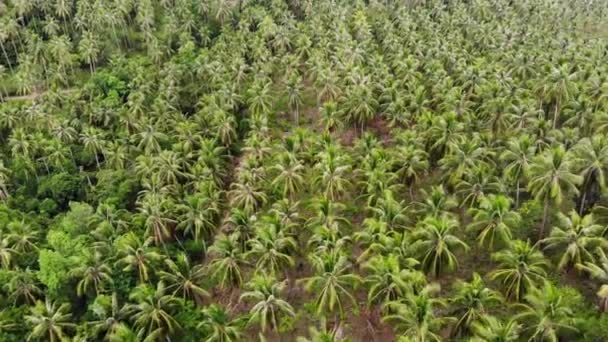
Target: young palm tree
x=49, y=321
x=551, y=179
x=332, y=282
x=491, y=329
x=415, y=316
x=386, y=280
x=575, y=237
x=289, y=176
x=226, y=260
x=545, y=315
x=322, y=334
x=521, y=268
x=271, y=247
x=472, y=301
x=434, y=243
x=436, y=203
x=265, y=293
x=493, y=220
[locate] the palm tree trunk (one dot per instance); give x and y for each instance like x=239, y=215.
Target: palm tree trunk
x=555, y=114
x=541, y=233
x=517, y=195
x=10, y=65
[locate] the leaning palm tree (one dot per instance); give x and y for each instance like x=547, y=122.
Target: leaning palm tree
x=415, y=317
x=575, y=237
x=265, y=293
x=545, y=315
x=520, y=268
x=493, y=220
x=332, y=282
x=598, y=269
x=434, y=243
x=471, y=302
x=551, y=179
x=49, y=321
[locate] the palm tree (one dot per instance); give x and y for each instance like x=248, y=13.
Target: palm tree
x=49, y=321
x=386, y=280
x=95, y=276
x=331, y=282
x=322, y=334
x=226, y=260
x=23, y=287
x=136, y=255
x=434, y=243
x=265, y=293
x=472, y=301
x=491, y=329
x=184, y=278
x=289, y=176
x=331, y=117
x=598, y=269
x=591, y=161
x=551, y=179
x=521, y=268
x=153, y=310
x=415, y=316
x=294, y=95
x=271, y=247
x=575, y=236
x=517, y=154
x=493, y=220
x=108, y=314
x=220, y=326
x=246, y=196
x=436, y=203
x=546, y=315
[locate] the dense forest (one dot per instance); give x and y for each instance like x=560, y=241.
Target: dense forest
x=303, y=170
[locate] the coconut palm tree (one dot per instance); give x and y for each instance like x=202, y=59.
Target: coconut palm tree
x=96, y=276
x=415, y=316
x=471, y=302
x=551, y=179
x=220, y=326
x=491, y=329
x=153, y=310
x=493, y=220
x=598, y=269
x=265, y=293
x=332, y=282
x=184, y=278
x=434, y=243
x=545, y=315
x=49, y=321
x=521, y=267
x=517, y=156
x=136, y=255
x=226, y=260
x=591, y=161
x=386, y=280
x=271, y=247
x=575, y=237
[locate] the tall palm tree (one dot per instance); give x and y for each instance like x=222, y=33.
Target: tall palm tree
x=591, y=161
x=598, y=269
x=96, y=276
x=434, y=243
x=518, y=155
x=49, y=321
x=136, y=255
x=265, y=293
x=520, y=268
x=551, y=179
x=575, y=237
x=493, y=220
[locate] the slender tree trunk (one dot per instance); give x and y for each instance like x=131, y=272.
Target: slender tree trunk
x=517, y=195
x=555, y=115
x=541, y=233
x=10, y=65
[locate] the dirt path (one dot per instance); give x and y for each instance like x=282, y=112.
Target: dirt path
x=33, y=95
